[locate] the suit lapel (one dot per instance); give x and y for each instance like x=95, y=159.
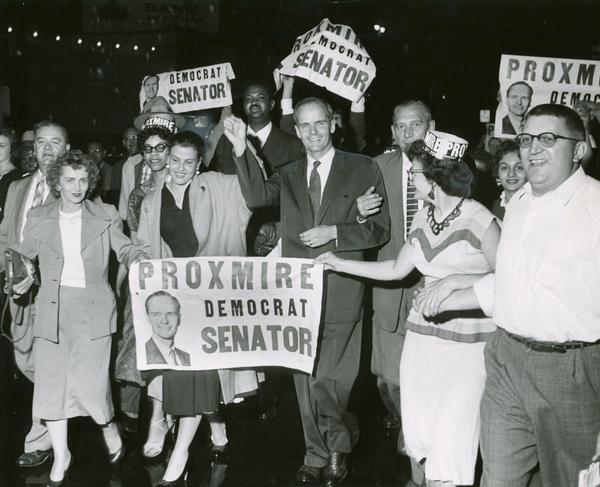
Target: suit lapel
x=334, y=181
x=300, y=192
x=93, y=223
x=24, y=188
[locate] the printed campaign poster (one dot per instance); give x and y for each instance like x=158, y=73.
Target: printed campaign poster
x=206, y=313
x=191, y=89
x=330, y=55
x=527, y=81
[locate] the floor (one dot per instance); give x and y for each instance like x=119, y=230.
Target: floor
x=263, y=452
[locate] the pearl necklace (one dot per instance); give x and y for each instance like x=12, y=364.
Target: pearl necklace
x=436, y=227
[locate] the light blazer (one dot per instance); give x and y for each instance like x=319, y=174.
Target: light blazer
x=155, y=356
x=220, y=217
x=219, y=214
x=350, y=176
x=101, y=230
x=393, y=300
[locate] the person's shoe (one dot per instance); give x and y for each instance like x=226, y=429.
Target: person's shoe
x=116, y=457
x=60, y=483
x=180, y=482
x=158, y=431
x=34, y=458
x=392, y=421
x=129, y=424
x=308, y=476
x=219, y=455
x=336, y=470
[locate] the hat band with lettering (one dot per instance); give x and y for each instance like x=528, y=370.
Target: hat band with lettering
x=442, y=145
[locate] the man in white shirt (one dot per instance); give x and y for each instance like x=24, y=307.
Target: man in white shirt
x=50, y=142
x=542, y=398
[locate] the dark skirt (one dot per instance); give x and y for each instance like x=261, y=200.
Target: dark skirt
x=187, y=393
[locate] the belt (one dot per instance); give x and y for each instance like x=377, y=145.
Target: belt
x=551, y=347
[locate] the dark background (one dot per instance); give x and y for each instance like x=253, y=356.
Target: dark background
x=446, y=52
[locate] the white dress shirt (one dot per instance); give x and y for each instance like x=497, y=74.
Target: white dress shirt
x=323, y=169
x=37, y=176
x=547, y=281
x=73, y=273
x=262, y=134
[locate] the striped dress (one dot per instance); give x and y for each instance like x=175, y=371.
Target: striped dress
x=442, y=371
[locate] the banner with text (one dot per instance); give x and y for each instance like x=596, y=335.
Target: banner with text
x=206, y=313
x=330, y=55
x=527, y=81
x=191, y=89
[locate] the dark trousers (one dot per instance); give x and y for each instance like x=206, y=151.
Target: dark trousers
x=323, y=396
x=538, y=407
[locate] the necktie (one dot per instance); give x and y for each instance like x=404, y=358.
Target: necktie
x=255, y=141
x=412, y=205
x=38, y=194
x=173, y=357
x=314, y=189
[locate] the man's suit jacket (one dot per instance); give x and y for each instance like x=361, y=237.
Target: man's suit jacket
x=279, y=148
x=507, y=126
x=393, y=300
x=155, y=357
x=350, y=176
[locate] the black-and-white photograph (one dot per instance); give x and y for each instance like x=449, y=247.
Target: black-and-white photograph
x=299, y=243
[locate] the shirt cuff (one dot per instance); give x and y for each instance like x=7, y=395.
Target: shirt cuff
x=286, y=106
x=357, y=106
x=484, y=291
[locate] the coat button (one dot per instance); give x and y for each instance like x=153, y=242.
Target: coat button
x=53, y=302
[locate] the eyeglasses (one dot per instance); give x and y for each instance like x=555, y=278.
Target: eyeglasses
x=546, y=139
x=160, y=148
x=320, y=126
x=131, y=138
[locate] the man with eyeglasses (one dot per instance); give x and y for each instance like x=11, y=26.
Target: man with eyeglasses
x=317, y=197
x=542, y=398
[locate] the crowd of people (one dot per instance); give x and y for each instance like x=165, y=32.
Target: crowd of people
x=483, y=266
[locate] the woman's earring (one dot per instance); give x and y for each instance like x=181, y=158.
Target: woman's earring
x=431, y=194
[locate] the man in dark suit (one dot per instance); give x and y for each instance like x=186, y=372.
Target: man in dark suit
x=164, y=314
x=50, y=142
x=275, y=147
x=318, y=214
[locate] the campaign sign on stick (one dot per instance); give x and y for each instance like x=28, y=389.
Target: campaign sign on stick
x=527, y=81
x=204, y=313
x=191, y=89
x=330, y=55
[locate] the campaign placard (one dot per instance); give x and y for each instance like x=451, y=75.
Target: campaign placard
x=187, y=90
x=527, y=81
x=205, y=313
x=332, y=56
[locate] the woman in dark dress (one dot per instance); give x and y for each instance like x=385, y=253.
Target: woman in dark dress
x=192, y=216
x=8, y=170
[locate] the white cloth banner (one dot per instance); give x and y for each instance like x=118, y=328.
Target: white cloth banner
x=191, y=89
x=205, y=313
x=330, y=55
x=535, y=80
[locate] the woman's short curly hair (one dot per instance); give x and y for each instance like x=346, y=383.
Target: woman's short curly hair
x=75, y=160
x=452, y=176
x=507, y=146
x=145, y=134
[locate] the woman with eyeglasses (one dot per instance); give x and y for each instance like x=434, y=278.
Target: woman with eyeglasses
x=150, y=175
x=452, y=240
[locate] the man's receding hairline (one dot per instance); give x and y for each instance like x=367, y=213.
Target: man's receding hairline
x=413, y=103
